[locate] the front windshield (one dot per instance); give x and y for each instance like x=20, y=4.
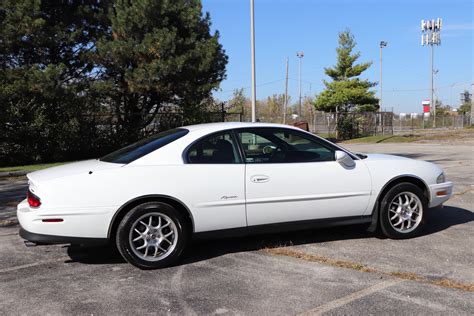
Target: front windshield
x=143, y=147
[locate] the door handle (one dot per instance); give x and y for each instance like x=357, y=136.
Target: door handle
x=260, y=179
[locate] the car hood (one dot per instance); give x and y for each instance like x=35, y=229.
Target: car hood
x=75, y=168
x=374, y=157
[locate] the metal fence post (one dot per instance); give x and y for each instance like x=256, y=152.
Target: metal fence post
x=375, y=124
x=393, y=118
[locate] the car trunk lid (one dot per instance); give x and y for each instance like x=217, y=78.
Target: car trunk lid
x=80, y=167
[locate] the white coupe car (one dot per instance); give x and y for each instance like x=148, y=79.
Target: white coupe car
x=152, y=197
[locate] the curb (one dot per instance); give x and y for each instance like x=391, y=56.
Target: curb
x=13, y=173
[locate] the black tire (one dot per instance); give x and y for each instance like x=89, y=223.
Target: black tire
x=128, y=223
x=388, y=227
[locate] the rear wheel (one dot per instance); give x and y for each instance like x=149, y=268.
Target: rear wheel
x=403, y=211
x=152, y=235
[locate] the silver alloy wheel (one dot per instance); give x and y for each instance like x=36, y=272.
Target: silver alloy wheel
x=405, y=212
x=153, y=236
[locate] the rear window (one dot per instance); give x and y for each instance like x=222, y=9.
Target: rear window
x=144, y=147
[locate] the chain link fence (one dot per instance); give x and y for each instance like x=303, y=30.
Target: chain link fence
x=370, y=123
x=403, y=124
x=355, y=124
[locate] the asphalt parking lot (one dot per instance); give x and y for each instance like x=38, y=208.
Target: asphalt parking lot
x=343, y=270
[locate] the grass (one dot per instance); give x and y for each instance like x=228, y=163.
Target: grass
x=31, y=167
x=327, y=135
x=288, y=252
x=442, y=135
x=383, y=139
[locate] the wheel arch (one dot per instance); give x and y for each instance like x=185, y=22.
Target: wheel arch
x=410, y=178
x=124, y=209
x=404, y=178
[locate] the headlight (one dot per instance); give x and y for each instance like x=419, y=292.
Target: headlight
x=441, y=178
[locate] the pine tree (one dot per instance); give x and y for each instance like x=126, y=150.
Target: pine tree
x=347, y=92
x=466, y=99
x=158, y=53
x=45, y=71
x=66, y=65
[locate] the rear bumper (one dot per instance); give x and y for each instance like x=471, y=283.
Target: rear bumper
x=78, y=226
x=440, y=193
x=41, y=239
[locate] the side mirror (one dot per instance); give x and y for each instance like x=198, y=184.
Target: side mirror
x=344, y=159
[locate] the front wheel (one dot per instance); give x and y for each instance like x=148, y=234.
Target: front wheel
x=403, y=211
x=152, y=235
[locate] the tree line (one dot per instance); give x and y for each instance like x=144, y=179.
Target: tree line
x=79, y=78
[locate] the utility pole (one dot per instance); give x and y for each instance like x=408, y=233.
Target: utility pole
x=382, y=45
x=252, y=48
x=430, y=36
x=300, y=55
x=285, y=106
x=472, y=104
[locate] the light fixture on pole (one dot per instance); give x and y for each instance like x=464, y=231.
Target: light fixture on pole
x=300, y=55
x=430, y=36
x=382, y=45
x=252, y=48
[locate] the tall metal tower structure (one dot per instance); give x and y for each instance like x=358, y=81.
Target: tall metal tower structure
x=431, y=36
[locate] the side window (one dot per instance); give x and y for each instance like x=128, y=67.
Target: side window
x=303, y=149
x=214, y=149
x=257, y=147
x=282, y=146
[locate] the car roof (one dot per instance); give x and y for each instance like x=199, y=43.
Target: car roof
x=172, y=152
x=215, y=127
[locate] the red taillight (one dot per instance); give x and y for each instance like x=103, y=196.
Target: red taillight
x=33, y=200
x=52, y=220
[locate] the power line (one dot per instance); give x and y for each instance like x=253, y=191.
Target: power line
x=427, y=89
x=450, y=86
x=259, y=85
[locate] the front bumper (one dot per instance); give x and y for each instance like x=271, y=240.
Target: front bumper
x=440, y=193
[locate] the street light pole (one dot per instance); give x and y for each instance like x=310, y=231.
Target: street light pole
x=300, y=55
x=252, y=45
x=382, y=45
x=472, y=105
x=433, y=103
x=285, y=106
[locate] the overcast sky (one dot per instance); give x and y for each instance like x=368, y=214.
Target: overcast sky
x=284, y=27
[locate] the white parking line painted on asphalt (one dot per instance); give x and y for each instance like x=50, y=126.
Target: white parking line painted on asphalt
x=9, y=234
x=351, y=297
x=177, y=288
x=29, y=265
